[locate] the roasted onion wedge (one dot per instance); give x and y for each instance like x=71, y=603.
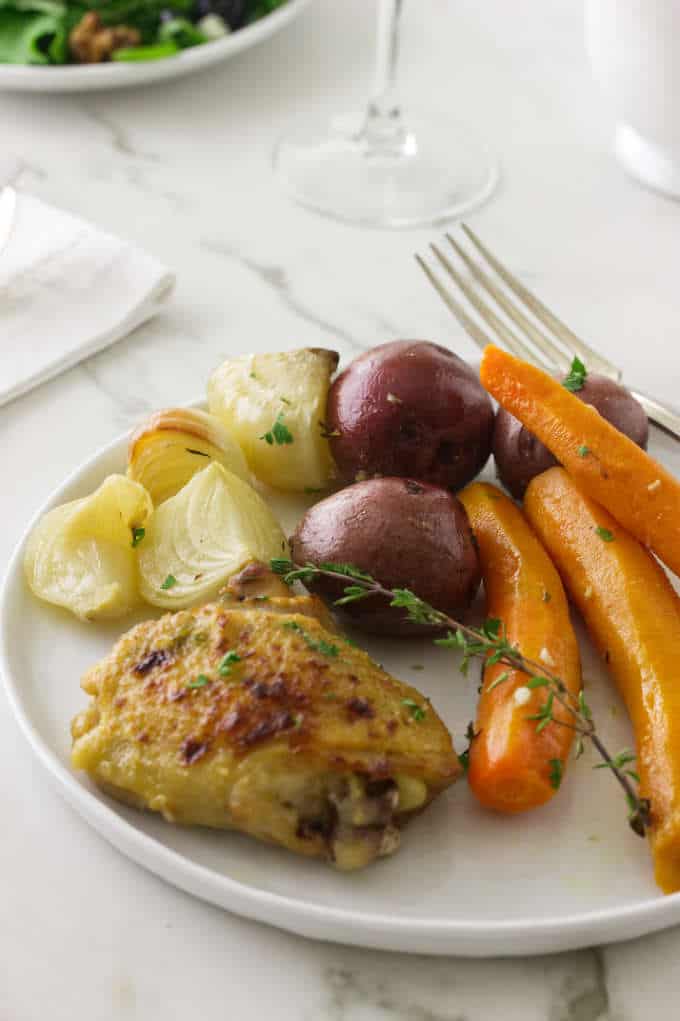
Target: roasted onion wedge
x=171, y=446
x=197, y=539
x=275, y=407
x=81, y=555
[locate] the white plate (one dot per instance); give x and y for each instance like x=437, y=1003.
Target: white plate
x=464, y=882
x=86, y=78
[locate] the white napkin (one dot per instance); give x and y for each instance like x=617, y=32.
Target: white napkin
x=67, y=290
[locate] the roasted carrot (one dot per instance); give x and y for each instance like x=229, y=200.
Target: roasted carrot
x=512, y=767
x=633, y=615
x=637, y=491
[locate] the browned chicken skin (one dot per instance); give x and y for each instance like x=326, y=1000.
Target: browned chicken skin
x=249, y=713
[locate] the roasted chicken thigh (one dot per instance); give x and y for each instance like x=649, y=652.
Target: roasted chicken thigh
x=252, y=713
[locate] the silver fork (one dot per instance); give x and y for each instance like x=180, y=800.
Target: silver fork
x=552, y=350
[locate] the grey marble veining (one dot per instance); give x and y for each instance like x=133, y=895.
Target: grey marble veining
x=276, y=278
x=184, y=169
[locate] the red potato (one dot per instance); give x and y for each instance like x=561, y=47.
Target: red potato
x=406, y=534
x=411, y=409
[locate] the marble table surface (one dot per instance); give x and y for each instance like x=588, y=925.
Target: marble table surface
x=184, y=168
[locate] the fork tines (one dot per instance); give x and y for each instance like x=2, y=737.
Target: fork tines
x=517, y=328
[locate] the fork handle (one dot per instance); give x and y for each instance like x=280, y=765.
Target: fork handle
x=663, y=415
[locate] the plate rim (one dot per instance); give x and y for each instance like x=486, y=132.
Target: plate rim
x=111, y=75
x=466, y=938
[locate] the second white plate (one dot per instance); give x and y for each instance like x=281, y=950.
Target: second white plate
x=92, y=77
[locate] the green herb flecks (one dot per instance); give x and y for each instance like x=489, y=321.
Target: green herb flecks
x=561, y=707
x=417, y=712
x=605, y=534
x=583, y=451
x=322, y=646
x=227, y=662
x=577, y=376
x=169, y=582
x=200, y=682
x=137, y=536
x=556, y=772
x=464, y=757
x=279, y=433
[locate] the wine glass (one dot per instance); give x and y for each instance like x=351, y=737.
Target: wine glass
x=378, y=169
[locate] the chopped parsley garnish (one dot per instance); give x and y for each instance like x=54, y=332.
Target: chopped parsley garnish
x=284, y=400
x=226, y=663
x=279, y=433
x=137, y=536
x=322, y=646
x=577, y=376
x=464, y=756
x=605, y=534
x=583, y=451
x=169, y=582
x=416, y=711
x=200, y=682
x=556, y=771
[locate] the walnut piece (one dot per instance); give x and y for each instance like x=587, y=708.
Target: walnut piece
x=91, y=42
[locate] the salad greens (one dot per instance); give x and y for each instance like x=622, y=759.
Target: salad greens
x=54, y=32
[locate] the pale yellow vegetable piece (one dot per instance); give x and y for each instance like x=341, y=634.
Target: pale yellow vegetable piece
x=275, y=405
x=197, y=539
x=80, y=555
x=172, y=445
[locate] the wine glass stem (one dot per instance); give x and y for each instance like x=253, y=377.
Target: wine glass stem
x=384, y=128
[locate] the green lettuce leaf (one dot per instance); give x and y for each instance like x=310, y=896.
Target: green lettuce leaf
x=157, y=52
x=26, y=37
x=55, y=7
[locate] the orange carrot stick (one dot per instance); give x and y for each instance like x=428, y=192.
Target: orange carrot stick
x=512, y=767
x=633, y=616
x=637, y=491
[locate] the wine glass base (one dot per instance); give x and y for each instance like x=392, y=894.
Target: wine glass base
x=431, y=172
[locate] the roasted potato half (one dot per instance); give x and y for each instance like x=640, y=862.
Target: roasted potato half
x=199, y=538
x=82, y=555
x=172, y=445
x=275, y=407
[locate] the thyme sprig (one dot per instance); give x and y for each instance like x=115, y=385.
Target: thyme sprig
x=489, y=643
